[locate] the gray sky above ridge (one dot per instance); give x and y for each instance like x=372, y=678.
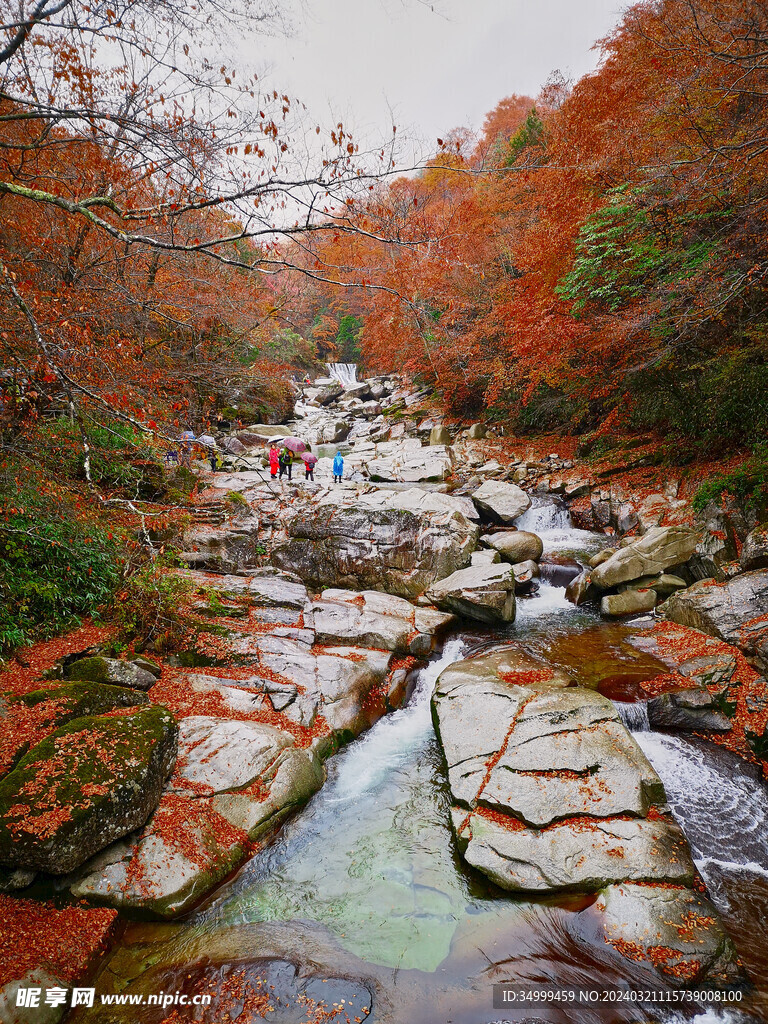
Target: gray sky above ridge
x=427, y=68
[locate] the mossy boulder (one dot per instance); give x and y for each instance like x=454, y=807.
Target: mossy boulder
x=26, y=720
x=112, y=670
x=87, y=784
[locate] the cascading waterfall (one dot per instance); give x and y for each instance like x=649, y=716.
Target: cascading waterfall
x=345, y=373
x=544, y=516
x=552, y=522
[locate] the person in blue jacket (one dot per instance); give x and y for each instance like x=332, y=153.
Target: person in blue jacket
x=338, y=468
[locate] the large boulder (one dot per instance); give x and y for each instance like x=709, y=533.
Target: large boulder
x=327, y=689
x=734, y=611
x=363, y=548
x=220, y=754
x=657, y=550
x=580, y=589
x=518, y=739
x=754, y=552
x=439, y=435
x=360, y=389
x=233, y=446
x=718, y=545
x=579, y=855
x=501, y=502
x=528, y=754
x=690, y=710
x=84, y=786
x=28, y=719
x=551, y=793
x=234, y=781
x=168, y=866
x=232, y=546
x=334, y=431
x=414, y=499
x=263, y=588
x=628, y=602
x=408, y=462
x=111, y=670
x=371, y=619
x=515, y=545
x=286, y=785
x=674, y=933
x=329, y=392
x=483, y=592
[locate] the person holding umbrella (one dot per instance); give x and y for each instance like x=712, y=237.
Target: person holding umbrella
x=309, y=459
x=291, y=446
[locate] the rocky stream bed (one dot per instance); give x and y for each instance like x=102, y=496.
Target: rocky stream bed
x=449, y=733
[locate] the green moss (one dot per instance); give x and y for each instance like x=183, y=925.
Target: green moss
x=84, y=700
x=88, y=783
x=65, y=703
x=123, y=740
x=748, y=484
x=93, y=670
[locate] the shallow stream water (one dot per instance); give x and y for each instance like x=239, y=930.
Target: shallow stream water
x=366, y=882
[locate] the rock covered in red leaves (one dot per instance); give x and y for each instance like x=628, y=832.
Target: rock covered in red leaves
x=551, y=793
x=185, y=849
x=673, y=932
x=735, y=611
x=28, y=719
x=84, y=786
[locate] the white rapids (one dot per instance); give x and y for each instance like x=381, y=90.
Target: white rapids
x=717, y=800
x=345, y=373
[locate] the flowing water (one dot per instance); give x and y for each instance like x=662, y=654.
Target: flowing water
x=722, y=806
x=345, y=373
x=365, y=884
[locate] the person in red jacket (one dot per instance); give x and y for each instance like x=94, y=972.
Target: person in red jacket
x=274, y=460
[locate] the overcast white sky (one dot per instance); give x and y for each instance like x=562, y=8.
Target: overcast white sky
x=436, y=68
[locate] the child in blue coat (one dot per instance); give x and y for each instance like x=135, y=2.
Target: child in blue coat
x=338, y=468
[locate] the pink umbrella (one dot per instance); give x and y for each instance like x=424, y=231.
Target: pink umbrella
x=294, y=444
x=309, y=458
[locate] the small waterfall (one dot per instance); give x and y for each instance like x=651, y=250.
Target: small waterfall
x=634, y=715
x=544, y=516
x=552, y=522
x=345, y=373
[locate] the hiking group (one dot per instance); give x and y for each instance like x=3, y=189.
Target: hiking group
x=281, y=463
